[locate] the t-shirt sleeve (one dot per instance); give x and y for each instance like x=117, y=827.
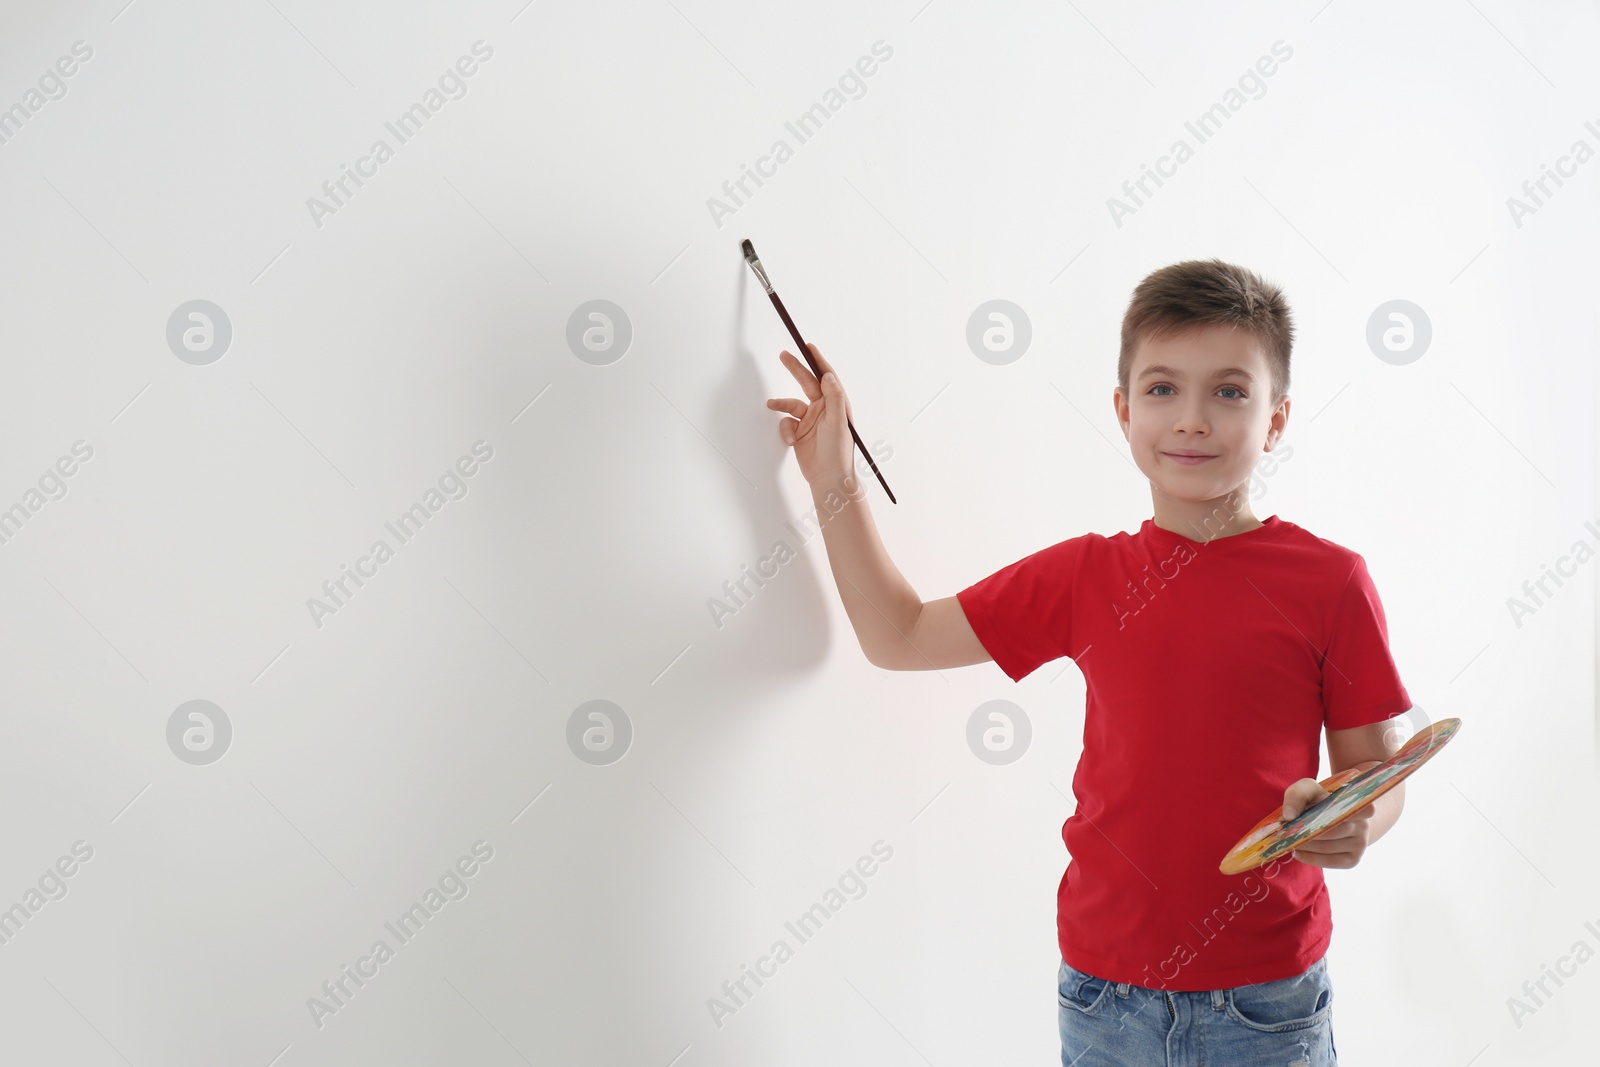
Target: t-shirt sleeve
x=1360, y=684
x=1022, y=613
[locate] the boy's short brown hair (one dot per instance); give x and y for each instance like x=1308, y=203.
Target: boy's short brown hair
x=1206, y=292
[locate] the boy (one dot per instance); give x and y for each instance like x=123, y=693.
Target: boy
x=1215, y=647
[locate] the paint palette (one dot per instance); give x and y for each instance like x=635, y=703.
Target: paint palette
x=1349, y=791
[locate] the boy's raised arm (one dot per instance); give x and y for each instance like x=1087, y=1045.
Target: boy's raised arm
x=895, y=629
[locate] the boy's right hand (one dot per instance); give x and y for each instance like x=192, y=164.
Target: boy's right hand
x=819, y=431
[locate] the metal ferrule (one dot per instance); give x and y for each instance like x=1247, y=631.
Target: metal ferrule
x=755, y=265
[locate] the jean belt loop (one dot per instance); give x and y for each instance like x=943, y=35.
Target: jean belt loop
x=1122, y=989
x=1216, y=1000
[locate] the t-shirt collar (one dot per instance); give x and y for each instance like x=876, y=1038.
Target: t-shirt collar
x=1270, y=527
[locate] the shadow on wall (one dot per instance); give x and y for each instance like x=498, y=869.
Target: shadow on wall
x=648, y=872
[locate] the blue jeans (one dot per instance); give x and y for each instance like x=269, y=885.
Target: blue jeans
x=1284, y=1023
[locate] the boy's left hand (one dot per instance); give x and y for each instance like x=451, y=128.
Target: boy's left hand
x=1341, y=846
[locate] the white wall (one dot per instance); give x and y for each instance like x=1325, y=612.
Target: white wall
x=372, y=348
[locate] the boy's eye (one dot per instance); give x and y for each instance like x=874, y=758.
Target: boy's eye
x=1153, y=389
x=1236, y=389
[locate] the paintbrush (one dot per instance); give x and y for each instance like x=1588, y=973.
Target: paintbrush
x=755, y=265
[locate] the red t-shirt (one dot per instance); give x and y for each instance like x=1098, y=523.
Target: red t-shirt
x=1211, y=669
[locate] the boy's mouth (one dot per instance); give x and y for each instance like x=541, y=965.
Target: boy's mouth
x=1189, y=456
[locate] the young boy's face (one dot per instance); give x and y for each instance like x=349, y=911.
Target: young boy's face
x=1207, y=391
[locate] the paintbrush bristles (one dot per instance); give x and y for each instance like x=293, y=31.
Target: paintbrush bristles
x=749, y=250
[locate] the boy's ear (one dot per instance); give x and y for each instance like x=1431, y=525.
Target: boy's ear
x=1280, y=416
